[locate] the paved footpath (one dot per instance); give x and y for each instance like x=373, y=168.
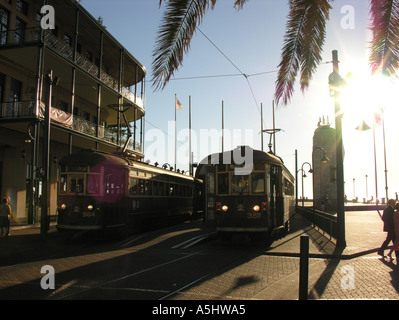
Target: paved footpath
x=357, y=272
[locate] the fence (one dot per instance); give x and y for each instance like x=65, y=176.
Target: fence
x=323, y=220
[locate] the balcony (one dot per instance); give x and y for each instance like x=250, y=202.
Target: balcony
x=31, y=36
x=26, y=109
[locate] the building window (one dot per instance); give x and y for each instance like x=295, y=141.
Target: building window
x=22, y=7
x=68, y=40
x=1, y=87
x=89, y=56
x=19, y=33
x=3, y=25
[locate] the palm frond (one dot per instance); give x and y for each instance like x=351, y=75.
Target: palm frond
x=303, y=44
x=239, y=4
x=174, y=36
x=384, y=49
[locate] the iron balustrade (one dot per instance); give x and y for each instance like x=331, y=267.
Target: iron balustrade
x=323, y=220
x=21, y=109
x=33, y=35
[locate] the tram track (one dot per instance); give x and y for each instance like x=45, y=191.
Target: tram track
x=125, y=277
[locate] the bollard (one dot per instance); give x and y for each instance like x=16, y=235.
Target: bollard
x=304, y=268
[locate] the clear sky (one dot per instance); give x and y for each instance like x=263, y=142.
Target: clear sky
x=252, y=39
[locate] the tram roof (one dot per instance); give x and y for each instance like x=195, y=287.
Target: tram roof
x=257, y=155
x=91, y=157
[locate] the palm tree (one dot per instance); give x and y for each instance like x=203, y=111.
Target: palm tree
x=303, y=42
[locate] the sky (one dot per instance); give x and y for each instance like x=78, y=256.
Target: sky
x=252, y=40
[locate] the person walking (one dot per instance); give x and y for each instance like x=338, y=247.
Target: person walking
x=389, y=227
x=395, y=246
x=5, y=217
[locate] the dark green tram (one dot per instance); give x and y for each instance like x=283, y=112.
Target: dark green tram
x=246, y=191
x=99, y=191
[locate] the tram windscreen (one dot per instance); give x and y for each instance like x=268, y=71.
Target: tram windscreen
x=240, y=184
x=258, y=182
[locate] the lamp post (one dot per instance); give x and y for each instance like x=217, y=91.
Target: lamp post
x=335, y=83
x=304, y=176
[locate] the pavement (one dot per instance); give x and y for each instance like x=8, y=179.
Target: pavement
x=353, y=272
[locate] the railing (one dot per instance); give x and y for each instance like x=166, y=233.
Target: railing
x=32, y=35
x=323, y=220
x=20, y=109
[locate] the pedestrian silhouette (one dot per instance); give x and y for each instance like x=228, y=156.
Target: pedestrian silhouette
x=5, y=217
x=389, y=227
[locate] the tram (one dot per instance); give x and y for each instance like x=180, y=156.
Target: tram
x=101, y=191
x=255, y=196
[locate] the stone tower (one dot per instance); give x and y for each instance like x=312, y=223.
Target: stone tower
x=324, y=173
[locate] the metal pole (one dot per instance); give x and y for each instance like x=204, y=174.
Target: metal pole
x=190, y=163
x=304, y=268
x=296, y=180
x=340, y=161
x=222, y=126
x=46, y=157
x=261, y=126
x=385, y=157
x=274, y=131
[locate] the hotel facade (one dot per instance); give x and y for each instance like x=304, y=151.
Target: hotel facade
x=96, y=99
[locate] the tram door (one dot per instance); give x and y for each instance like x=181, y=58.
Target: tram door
x=276, y=208
x=210, y=194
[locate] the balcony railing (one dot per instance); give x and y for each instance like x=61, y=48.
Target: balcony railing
x=21, y=109
x=32, y=35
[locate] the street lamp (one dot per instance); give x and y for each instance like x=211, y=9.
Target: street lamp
x=336, y=82
x=304, y=176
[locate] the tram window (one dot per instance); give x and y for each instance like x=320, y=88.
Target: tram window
x=96, y=169
x=77, y=168
x=148, y=187
x=93, y=183
x=133, y=186
x=259, y=166
x=63, y=183
x=239, y=184
x=141, y=187
x=161, y=189
x=155, y=188
x=75, y=183
x=113, y=181
x=221, y=167
x=258, y=182
x=223, y=183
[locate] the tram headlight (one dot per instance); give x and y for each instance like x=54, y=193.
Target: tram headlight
x=90, y=207
x=256, y=208
x=62, y=206
x=225, y=208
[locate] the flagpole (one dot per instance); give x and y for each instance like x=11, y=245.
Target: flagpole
x=175, y=132
x=222, y=126
x=261, y=126
x=189, y=142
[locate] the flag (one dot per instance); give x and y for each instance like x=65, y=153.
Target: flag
x=377, y=118
x=178, y=104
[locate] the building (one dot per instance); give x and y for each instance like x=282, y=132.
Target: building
x=324, y=172
x=97, y=101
